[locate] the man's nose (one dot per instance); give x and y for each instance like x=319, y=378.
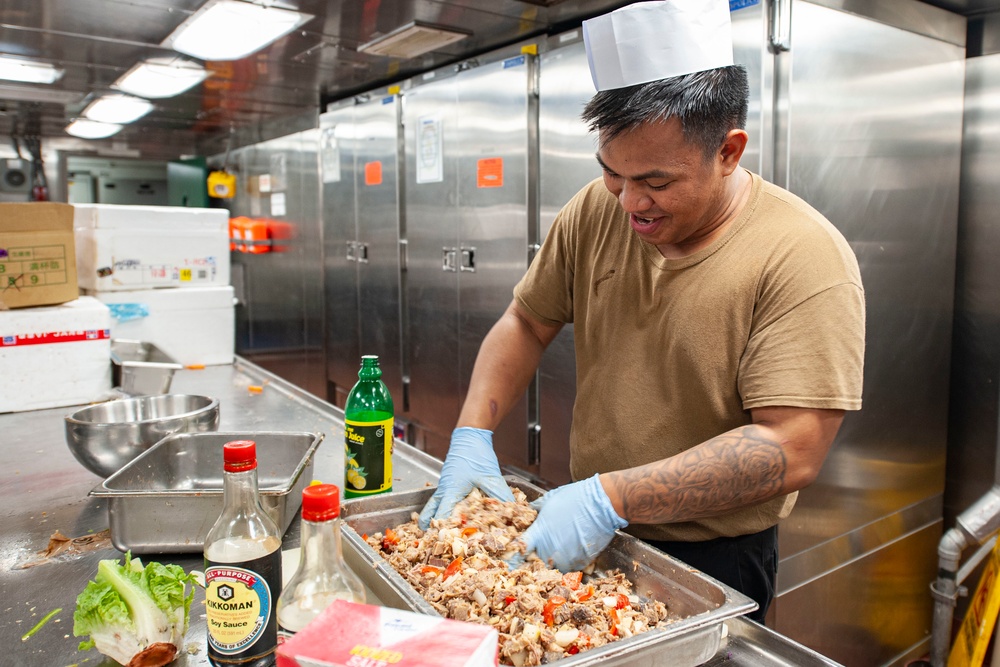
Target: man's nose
x=632, y=199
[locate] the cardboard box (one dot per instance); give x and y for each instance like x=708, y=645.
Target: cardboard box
x=195, y=325
x=347, y=634
x=37, y=255
x=122, y=247
x=54, y=356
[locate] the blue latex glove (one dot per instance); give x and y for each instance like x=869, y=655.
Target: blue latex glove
x=470, y=463
x=574, y=524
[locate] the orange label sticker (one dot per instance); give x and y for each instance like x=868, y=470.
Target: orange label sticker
x=489, y=172
x=373, y=173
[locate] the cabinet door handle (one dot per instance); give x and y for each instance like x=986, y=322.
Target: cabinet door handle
x=449, y=259
x=468, y=260
x=352, y=248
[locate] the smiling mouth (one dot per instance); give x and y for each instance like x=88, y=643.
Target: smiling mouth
x=643, y=221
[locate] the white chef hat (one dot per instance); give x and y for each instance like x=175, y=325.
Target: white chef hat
x=648, y=41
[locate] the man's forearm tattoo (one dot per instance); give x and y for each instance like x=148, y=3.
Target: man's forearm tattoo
x=736, y=469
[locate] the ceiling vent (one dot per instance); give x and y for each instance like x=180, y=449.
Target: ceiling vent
x=412, y=40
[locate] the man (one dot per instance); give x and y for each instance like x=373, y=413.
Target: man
x=719, y=332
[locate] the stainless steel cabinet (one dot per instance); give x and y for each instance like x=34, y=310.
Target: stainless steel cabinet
x=469, y=220
x=359, y=148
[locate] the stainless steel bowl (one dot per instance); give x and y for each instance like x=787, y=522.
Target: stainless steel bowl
x=105, y=437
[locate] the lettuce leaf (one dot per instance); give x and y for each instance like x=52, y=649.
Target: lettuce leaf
x=130, y=610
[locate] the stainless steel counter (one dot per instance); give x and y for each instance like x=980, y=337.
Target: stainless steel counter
x=43, y=490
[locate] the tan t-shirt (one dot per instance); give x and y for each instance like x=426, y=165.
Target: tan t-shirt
x=672, y=352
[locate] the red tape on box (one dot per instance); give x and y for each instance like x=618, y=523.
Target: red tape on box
x=55, y=337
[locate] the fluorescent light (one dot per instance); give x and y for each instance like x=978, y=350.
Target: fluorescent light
x=412, y=40
x=91, y=129
x=13, y=92
x=117, y=109
x=161, y=77
x=17, y=69
x=230, y=29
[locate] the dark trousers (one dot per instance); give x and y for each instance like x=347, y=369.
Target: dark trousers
x=748, y=563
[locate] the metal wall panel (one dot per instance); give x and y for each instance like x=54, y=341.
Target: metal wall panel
x=359, y=158
x=377, y=250
x=467, y=221
x=973, y=459
x=566, y=160
x=492, y=147
x=872, y=118
x=280, y=316
x=432, y=220
x=874, y=126
x=337, y=150
x=867, y=611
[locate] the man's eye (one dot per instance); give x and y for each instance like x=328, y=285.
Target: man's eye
x=657, y=186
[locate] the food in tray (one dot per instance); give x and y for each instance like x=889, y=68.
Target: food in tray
x=542, y=615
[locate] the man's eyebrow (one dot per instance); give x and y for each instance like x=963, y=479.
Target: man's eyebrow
x=655, y=173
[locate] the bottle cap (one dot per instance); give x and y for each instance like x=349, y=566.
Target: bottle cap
x=239, y=456
x=320, y=502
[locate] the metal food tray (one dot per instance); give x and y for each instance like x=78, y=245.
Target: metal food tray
x=140, y=368
x=699, y=603
x=166, y=499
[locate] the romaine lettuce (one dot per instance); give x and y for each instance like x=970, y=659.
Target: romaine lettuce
x=136, y=615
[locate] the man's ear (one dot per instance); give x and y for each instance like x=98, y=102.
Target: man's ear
x=732, y=150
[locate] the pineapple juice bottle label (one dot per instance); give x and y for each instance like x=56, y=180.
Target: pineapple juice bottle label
x=367, y=457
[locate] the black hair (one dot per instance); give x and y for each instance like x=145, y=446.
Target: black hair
x=709, y=104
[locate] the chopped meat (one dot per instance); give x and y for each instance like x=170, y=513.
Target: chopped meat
x=542, y=615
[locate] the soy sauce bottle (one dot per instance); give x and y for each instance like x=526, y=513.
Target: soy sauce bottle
x=242, y=568
x=368, y=417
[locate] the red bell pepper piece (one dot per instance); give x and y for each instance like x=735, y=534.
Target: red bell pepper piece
x=547, y=611
x=453, y=567
x=572, y=580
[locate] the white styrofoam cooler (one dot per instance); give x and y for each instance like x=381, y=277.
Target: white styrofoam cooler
x=121, y=247
x=195, y=325
x=55, y=356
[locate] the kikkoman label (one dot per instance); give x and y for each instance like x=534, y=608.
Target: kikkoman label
x=237, y=607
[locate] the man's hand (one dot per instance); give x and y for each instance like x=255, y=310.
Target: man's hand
x=470, y=463
x=574, y=524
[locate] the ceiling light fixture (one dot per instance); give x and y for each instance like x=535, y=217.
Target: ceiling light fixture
x=92, y=129
x=161, y=77
x=413, y=39
x=117, y=108
x=232, y=29
x=29, y=71
x=13, y=92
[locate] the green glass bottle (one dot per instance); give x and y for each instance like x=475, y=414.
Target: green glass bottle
x=368, y=433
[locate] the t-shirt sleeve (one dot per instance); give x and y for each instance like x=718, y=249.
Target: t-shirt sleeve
x=812, y=356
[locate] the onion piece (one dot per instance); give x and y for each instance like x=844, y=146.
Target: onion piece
x=566, y=637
